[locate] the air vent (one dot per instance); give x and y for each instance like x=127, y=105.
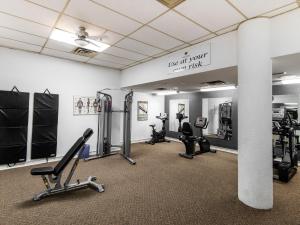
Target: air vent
x=161, y=89
x=84, y=52
x=215, y=82
x=171, y=3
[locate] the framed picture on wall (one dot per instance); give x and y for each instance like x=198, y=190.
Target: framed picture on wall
x=85, y=105
x=142, y=110
x=181, y=108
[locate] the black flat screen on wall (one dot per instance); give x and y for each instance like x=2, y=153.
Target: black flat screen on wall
x=44, y=129
x=13, y=126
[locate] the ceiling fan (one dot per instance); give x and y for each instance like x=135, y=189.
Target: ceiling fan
x=81, y=39
x=84, y=38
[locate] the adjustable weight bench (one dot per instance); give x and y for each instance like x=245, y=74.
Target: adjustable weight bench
x=55, y=174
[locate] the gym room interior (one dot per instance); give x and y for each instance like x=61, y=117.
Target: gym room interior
x=149, y=112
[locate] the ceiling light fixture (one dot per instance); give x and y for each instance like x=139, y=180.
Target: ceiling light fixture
x=291, y=103
x=171, y=3
x=291, y=79
x=220, y=88
x=166, y=93
x=72, y=39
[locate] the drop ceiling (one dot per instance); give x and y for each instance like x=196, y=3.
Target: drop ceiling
x=137, y=30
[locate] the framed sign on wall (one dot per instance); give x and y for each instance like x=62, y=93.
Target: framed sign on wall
x=181, y=108
x=142, y=110
x=85, y=105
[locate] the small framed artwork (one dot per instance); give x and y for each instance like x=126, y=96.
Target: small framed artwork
x=181, y=108
x=85, y=105
x=142, y=110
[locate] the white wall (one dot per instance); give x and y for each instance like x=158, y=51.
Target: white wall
x=285, y=34
x=156, y=105
x=34, y=73
x=223, y=54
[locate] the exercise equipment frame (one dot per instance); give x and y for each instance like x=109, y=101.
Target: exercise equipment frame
x=104, y=127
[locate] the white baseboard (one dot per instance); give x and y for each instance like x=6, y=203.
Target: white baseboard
x=93, y=153
x=217, y=148
x=30, y=163
x=228, y=150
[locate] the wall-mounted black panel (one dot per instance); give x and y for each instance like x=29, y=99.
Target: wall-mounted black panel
x=13, y=126
x=44, y=129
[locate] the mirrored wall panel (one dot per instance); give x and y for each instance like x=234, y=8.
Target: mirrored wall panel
x=177, y=106
x=283, y=104
x=218, y=111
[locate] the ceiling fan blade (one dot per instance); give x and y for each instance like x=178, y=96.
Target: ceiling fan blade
x=91, y=42
x=95, y=38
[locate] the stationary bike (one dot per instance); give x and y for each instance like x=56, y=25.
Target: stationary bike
x=160, y=136
x=190, y=141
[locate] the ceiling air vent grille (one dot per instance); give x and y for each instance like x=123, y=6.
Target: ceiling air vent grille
x=171, y=3
x=84, y=52
x=161, y=89
x=215, y=82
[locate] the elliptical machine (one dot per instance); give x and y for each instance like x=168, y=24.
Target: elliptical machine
x=160, y=136
x=203, y=143
x=180, y=117
x=190, y=141
x=285, y=168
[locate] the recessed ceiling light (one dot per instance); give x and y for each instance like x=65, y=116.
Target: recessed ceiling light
x=72, y=39
x=171, y=3
x=220, y=88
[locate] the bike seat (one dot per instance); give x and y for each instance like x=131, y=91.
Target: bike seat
x=152, y=125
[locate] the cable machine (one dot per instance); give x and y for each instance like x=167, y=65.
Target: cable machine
x=104, y=144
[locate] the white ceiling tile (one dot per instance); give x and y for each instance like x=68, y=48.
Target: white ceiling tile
x=131, y=65
x=24, y=25
x=72, y=25
x=207, y=37
x=65, y=55
x=105, y=63
x=19, y=45
x=124, y=53
x=111, y=58
x=137, y=63
x=57, y=5
x=212, y=14
x=59, y=46
x=111, y=38
x=29, y=11
x=98, y=15
x=160, y=54
x=183, y=28
x=252, y=8
x=178, y=48
x=138, y=47
x=155, y=38
x=20, y=36
x=146, y=60
x=282, y=10
x=227, y=29
x=142, y=11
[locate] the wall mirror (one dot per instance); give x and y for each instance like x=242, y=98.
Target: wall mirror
x=177, y=106
x=218, y=111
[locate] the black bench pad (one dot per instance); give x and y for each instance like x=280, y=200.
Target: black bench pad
x=42, y=171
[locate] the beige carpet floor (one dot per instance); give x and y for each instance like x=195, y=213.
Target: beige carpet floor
x=162, y=188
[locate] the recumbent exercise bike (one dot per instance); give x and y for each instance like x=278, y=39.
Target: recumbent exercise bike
x=160, y=136
x=189, y=140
